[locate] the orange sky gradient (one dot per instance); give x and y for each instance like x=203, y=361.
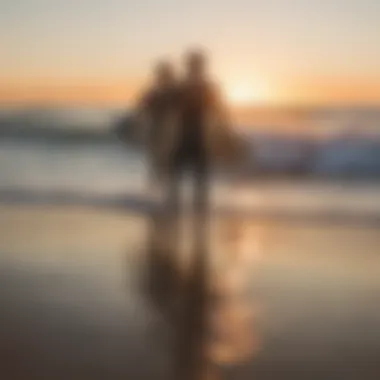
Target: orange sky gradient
x=307, y=92
x=273, y=51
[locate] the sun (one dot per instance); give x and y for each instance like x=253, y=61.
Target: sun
x=245, y=94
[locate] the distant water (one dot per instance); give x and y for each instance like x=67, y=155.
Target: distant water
x=332, y=142
x=73, y=153
x=107, y=169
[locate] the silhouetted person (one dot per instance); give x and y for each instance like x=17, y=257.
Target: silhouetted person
x=157, y=109
x=156, y=112
x=199, y=106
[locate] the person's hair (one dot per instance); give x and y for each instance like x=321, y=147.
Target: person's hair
x=163, y=67
x=196, y=57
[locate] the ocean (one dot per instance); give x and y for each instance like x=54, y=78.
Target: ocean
x=73, y=243
x=75, y=154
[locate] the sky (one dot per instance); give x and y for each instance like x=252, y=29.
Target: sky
x=274, y=51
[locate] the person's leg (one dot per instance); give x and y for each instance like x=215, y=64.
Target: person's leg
x=201, y=210
x=201, y=179
x=173, y=203
x=173, y=191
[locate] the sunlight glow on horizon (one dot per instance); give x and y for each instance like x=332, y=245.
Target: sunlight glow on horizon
x=243, y=94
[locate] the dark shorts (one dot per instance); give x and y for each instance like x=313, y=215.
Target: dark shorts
x=189, y=155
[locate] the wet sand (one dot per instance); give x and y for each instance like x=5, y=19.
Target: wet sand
x=72, y=308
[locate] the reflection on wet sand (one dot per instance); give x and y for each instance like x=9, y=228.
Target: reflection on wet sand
x=207, y=301
x=235, y=311
x=69, y=307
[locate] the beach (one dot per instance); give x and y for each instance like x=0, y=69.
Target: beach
x=75, y=219
x=71, y=307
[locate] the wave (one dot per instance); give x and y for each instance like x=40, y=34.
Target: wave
x=341, y=155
